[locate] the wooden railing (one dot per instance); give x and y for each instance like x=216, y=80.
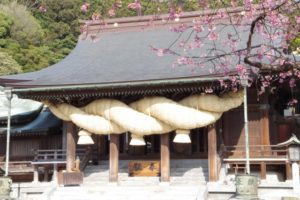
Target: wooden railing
x=261, y=155
x=257, y=153
x=16, y=167
x=50, y=155
x=59, y=155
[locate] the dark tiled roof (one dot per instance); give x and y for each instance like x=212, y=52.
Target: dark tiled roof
x=22, y=111
x=44, y=123
x=118, y=57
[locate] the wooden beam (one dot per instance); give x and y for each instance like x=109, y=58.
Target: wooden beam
x=71, y=145
x=212, y=154
x=113, y=158
x=164, y=158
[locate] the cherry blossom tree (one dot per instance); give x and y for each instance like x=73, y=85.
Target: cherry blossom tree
x=255, y=36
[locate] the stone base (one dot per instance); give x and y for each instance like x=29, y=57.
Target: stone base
x=289, y=198
x=5, y=187
x=69, y=178
x=244, y=197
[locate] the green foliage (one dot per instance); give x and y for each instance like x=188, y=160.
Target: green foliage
x=35, y=39
x=5, y=24
x=8, y=64
x=296, y=44
x=35, y=58
x=25, y=29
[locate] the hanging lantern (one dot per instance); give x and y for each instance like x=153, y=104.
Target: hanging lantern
x=137, y=140
x=85, y=138
x=182, y=136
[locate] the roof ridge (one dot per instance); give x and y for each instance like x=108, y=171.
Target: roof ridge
x=157, y=18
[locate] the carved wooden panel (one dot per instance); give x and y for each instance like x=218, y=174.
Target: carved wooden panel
x=144, y=168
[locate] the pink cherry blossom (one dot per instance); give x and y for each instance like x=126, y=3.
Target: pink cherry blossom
x=234, y=3
x=136, y=5
x=85, y=7
x=292, y=83
x=42, y=9
x=213, y=35
x=95, y=16
x=111, y=12
x=241, y=70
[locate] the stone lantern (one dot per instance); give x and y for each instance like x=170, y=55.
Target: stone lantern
x=293, y=145
x=294, y=152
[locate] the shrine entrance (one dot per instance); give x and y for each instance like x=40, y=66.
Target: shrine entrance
x=197, y=149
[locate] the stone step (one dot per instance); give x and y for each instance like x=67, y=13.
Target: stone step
x=70, y=193
x=182, y=172
x=173, y=163
x=159, y=192
x=96, y=169
x=125, y=176
x=174, y=173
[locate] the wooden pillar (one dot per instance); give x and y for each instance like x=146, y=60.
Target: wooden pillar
x=212, y=154
x=288, y=171
x=113, y=158
x=164, y=158
x=265, y=127
x=263, y=170
x=101, y=145
x=71, y=145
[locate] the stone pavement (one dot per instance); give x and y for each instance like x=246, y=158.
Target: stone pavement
x=266, y=191
x=160, y=192
x=270, y=195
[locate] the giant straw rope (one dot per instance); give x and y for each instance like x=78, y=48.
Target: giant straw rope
x=150, y=115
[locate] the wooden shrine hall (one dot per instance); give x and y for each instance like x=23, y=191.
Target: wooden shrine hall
x=117, y=90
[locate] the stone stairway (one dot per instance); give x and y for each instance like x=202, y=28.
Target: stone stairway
x=189, y=171
x=188, y=181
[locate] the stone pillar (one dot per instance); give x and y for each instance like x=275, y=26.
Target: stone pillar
x=296, y=177
x=164, y=158
x=46, y=174
x=54, y=176
x=113, y=158
x=35, y=174
x=71, y=145
x=212, y=154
